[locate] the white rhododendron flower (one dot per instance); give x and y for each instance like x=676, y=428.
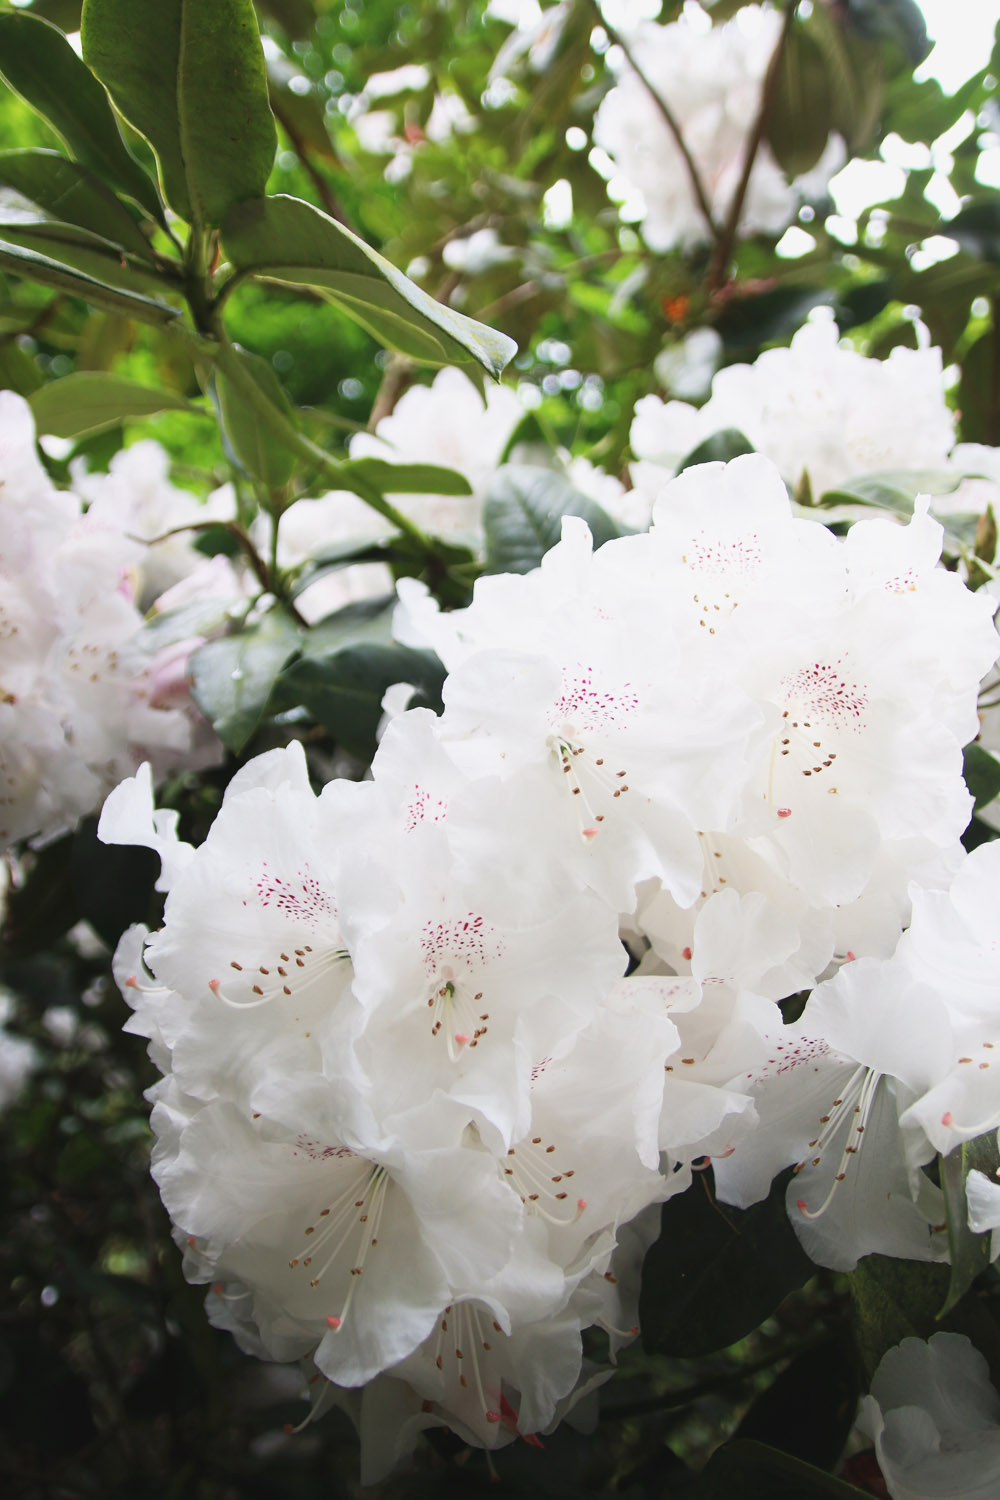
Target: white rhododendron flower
x=83, y=698
x=815, y=409
x=934, y=1418
x=710, y=78
x=415, y=1116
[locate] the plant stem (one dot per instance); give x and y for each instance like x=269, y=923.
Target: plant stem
x=719, y=264
x=227, y=359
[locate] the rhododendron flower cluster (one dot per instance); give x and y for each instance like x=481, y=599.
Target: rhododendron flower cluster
x=710, y=78
x=83, y=699
x=419, y=1100
x=821, y=411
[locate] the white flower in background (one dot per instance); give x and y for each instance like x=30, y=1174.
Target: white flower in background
x=446, y=423
x=135, y=499
x=711, y=78
x=474, y=253
x=18, y=1057
x=934, y=1418
x=815, y=409
x=83, y=699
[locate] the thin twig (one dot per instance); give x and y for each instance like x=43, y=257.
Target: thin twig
x=724, y=243
x=670, y=119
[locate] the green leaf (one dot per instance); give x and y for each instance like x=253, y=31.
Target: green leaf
x=343, y=690
x=722, y=446
x=232, y=679
x=717, y=1272
x=981, y=770
x=67, y=191
x=970, y=1252
x=190, y=77
x=808, y=1410
x=257, y=449
x=22, y=261
x=855, y=72
x=288, y=240
x=81, y=250
x=896, y=490
x=750, y=1471
x=800, y=115
x=899, y=21
x=40, y=65
x=522, y=517
x=977, y=228
x=89, y=401
x=893, y=1300
x=408, y=479
x=18, y=371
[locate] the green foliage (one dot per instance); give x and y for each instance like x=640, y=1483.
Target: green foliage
x=287, y=240
x=41, y=65
x=191, y=79
x=523, y=515
x=268, y=307
x=716, y=1272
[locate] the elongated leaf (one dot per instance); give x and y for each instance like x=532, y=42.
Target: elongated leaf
x=408, y=479
x=977, y=229
x=190, y=77
x=800, y=116
x=981, y=771
x=717, y=1272
x=808, y=1410
x=347, y=663
x=751, y=1471
x=723, y=445
x=81, y=250
x=91, y=400
x=21, y=261
x=233, y=679
x=68, y=192
x=253, y=443
x=40, y=65
x=288, y=240
x=523, y=515
x=970, y=1252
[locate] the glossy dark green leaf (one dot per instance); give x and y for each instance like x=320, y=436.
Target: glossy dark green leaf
x=981, y=771
x=255, y=446
x=809, y=1408
x=722, y=446
x=233, y=678
x=855, y=78
x=408, y=479
x=522, y=517
x=751, y=1471
x=20, y=260
x=347, y=663
x=893, y=1300
x=89, y=401
x=899, y=21
x=344, y=691
x=288, y=240
x=977, y=228
x=18, y=371
x=67, y=191
x=39, y=64
x=81, y=250
x=970, y=1252
x=190, y=77
x=717, y=1272
x=800, y=116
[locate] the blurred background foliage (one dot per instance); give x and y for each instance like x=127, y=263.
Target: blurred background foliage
x=398, y=121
